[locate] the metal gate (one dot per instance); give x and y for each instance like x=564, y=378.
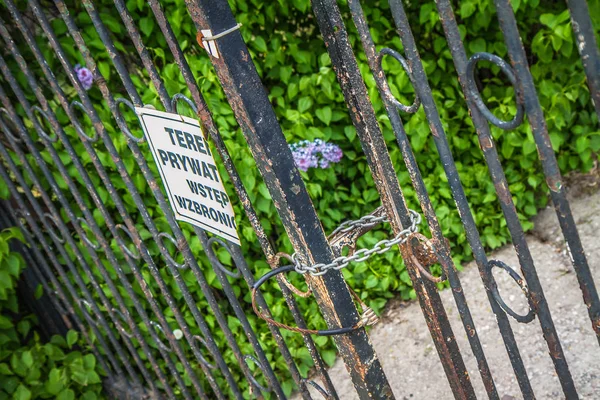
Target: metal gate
x=90, y=259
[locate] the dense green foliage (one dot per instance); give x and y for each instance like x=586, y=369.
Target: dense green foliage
x=298, y=75
x=29, y=368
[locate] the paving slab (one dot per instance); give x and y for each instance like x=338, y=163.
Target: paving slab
x=411, y=362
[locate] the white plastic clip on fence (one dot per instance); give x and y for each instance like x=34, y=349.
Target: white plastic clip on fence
x=209, y=39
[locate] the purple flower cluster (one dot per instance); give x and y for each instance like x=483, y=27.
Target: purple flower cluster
x=315, y=154
x=85, y=76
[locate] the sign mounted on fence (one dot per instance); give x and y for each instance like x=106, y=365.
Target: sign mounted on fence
x=189, y=172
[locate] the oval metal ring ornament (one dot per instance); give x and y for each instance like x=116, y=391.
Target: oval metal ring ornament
x=75, y=120
x=162, y=236
x=51, y=231
x=524, y=319
x=472, y=87
x=8, y=131
x=198, y=354
x=121, y=242
x=41, y=131
x=214, y=259
x=84, y=237
x=120, y=118
x=386, y=87
x=260, y=367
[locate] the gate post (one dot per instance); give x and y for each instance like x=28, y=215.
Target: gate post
x=273, y=157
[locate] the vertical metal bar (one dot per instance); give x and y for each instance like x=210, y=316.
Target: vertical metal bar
x=374, y=59
x=363, y=116
x=88, y=217
x=112, y=191
x=206, y=118
x=587, y=46
x=273, y=157
x=38, y=264
x=182, y=243
x=422, y=88
x=535, y=115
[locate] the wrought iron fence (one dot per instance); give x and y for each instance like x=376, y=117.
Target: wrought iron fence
x=96, y=261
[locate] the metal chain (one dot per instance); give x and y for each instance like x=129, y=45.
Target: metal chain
x=362, y=254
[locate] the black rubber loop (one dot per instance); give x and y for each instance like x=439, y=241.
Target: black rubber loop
x=472, y=87
x=386, y=87
x=524, y=319
x=288, y=268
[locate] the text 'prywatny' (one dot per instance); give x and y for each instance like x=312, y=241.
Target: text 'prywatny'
x=189, y=172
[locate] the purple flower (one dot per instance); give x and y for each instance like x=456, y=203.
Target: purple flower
x=85, y=76
x=315, y=154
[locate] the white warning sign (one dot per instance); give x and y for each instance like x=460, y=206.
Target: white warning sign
x=189, y=172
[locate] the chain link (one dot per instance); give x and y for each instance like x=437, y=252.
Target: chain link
x=362, y=254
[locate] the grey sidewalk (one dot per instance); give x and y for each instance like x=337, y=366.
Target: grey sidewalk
x=411, y=361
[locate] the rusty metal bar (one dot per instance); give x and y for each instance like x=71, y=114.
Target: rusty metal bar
x=442, y=250
x=274, y=160
x=585, y=37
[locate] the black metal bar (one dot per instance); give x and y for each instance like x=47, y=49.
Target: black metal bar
x=374, y=59
x=159, y=197
x=558, y=195
x=118, y=202
x=207, y=120
x=424, y=92
x=585, y=37
x=274, y=160
x=364, y=120
x=83, y=207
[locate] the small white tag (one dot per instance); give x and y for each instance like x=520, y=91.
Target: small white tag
x=189, y=172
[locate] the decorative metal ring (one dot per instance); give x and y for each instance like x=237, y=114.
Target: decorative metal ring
x=120, y=327
x=40, y=130
x=181, y=97
x=198, y=354
x=121, y=119
x=84, y=306
x=386, y=87
x=408, y=245
x=215, y=260
x=508, y=72
x=51, y=231
x=157, y=328
x=496, y=294
x=314, y=384
x=75, y=104
x=261, y=368
x=166, y=254
x=95, y=246
x=7, y=129
x=121, y=242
